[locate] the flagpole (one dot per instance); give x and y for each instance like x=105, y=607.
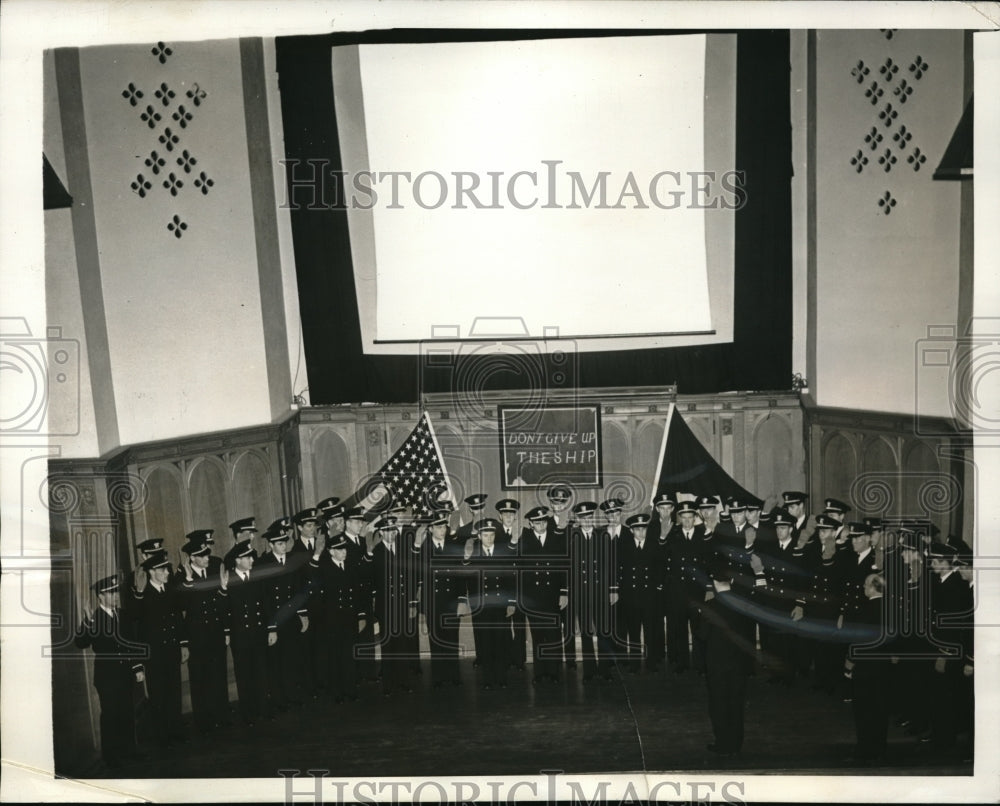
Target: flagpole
x=437, y=450
x=663, y=452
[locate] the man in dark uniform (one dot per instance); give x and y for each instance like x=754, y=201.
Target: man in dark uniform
x=786, y=585
x=247, y=625
x=857, y=571
x=357, y=552
x=110, y=632
x=162, y=628
x=708, y=511
x=733, y=533
x=795, y=504
x=662, y=520
x=559, y=496
x=869, y=675
x=612, y=509
x=476, y=503
x=640, y=586
x=342, y=612
x=204, y=618
x=819, y=607
x=243, y=529
x=207, y=538
x=544, y=590
x=728, y=659
x=951, y=601
x=331, y=515
x=593, y=583
x=493, y=599
x=508, y=534
x=683, y=558
x=306, y=529
x=282, y=574
x=395, y=570
x=443, y=584
x=838, y=510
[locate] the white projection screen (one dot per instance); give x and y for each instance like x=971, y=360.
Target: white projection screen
x=576, y=188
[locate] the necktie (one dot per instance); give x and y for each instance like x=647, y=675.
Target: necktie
x=340, y=565
x=638, y=544
x=687, y=535
x=489, y=552
x=281, y=560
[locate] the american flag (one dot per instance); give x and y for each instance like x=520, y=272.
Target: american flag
x=414, y=476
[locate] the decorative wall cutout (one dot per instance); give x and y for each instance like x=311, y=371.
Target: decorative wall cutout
x=176, y=226
x=154, y=162
x=203, y=183
x=918, y=67
x=916, y=159
x=132, y=94
x=140, y=185
x=178, y=118
x=887, y=160
x=150, y=117
x=165, y=94
x=186, y=161
x=161, y=52
x=886, y=203
x=903, y=84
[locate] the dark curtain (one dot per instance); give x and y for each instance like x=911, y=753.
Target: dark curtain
x=759, y=358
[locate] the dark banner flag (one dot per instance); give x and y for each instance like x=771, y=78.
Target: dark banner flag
x=686, y=466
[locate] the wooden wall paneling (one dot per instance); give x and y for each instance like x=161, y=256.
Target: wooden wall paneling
x=164, y=513
x=839, y=468
x=209, y=491
x=771, y=455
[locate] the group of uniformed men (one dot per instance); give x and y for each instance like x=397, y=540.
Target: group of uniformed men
x=693, y=583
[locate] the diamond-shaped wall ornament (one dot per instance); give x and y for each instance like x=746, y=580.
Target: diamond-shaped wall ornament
x=177, y=226
x=164, y=94
x=140, y=185
x=888, y=69
x=886, y=202
x=860, y=72
x=204, y=183
x=186, y=161
x=196, y=94
x=154, y=162
x=161, y=52
x=182, y=116
x=918, y=67
x=169, y=139
x=132, y=94
x=150, y=116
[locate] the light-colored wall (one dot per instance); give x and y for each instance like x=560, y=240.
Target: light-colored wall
x=185, y=328
x=882, y=279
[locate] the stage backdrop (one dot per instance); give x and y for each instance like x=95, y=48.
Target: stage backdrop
x=339, y=371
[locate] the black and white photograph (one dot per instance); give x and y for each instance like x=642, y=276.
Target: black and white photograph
x=586, y=402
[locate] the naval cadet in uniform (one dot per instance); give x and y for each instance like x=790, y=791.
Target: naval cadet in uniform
x=110, y=633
